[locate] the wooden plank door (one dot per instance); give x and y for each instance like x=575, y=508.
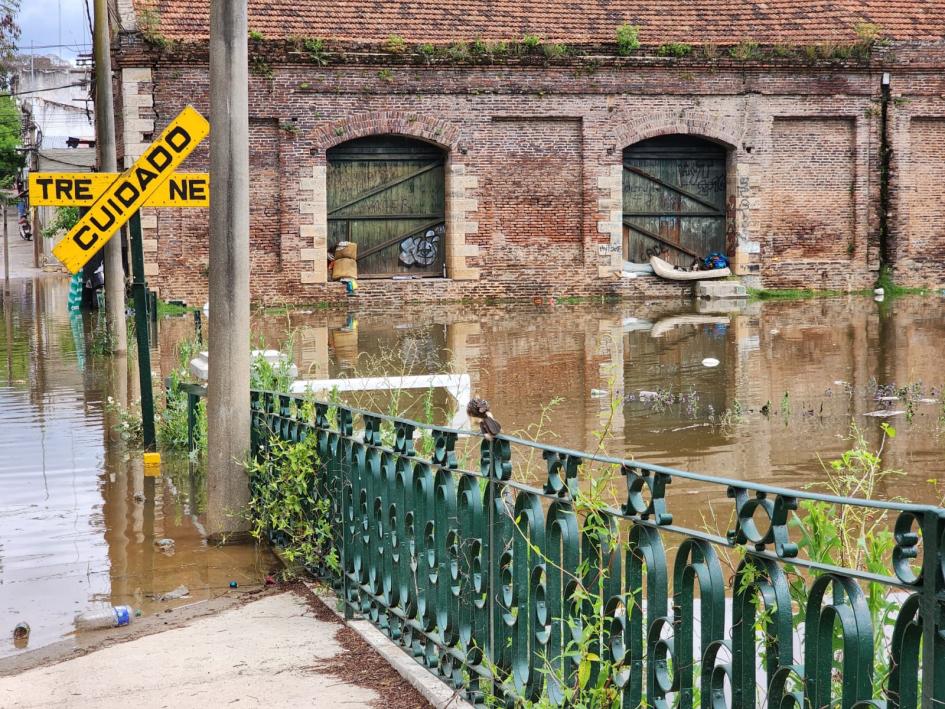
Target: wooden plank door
x=386, y=194
x=673, y=199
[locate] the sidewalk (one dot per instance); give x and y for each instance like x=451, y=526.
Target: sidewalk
x=21, y=252
x=283, y=650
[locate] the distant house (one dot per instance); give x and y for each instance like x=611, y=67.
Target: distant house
x=514, y=149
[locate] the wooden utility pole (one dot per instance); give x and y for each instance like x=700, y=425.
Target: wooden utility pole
x=228, y=412
x=108, y=162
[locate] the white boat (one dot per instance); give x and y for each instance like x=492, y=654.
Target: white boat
x=664, y=269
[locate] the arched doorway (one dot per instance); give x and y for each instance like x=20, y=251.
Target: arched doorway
x=673, y=199
x=386, y=193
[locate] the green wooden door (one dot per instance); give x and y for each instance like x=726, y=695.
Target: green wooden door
x=386, y=194
x=673, y=199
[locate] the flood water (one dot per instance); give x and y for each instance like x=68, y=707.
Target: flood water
x=78, y=517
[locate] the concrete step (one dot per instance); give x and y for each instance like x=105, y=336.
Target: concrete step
x=719, y=290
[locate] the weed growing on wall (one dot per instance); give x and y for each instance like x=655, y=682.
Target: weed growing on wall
x=628, y=39
x=674, y=49
x=315, y=48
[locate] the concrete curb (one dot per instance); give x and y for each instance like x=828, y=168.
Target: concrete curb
x=433, y=690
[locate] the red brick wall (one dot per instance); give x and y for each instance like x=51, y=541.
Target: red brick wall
x=810, y=198
x=804, y=147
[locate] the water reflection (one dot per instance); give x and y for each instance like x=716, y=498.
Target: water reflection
x=78, y=517
x=791, y=378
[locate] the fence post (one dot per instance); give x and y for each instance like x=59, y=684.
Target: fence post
x=933, y=646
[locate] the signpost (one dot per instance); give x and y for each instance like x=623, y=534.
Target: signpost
x=112, y=200
x=83, y=189
x=123, y=197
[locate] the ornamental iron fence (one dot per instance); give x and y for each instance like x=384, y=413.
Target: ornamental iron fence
x=518, y=592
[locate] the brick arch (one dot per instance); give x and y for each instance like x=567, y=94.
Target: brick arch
x=406, y=123
x=702, y=125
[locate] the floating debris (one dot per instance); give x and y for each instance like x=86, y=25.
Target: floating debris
x=710, y=362
x=166, y=546
x=599, y=393
x=885, y=413
x=179, y=592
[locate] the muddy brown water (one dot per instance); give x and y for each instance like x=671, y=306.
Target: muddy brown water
x=78, y=517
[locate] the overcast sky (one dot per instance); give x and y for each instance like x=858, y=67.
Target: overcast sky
x=41, y=24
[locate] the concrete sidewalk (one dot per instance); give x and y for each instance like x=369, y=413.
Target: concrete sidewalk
x=279, y=651
x=21, y=252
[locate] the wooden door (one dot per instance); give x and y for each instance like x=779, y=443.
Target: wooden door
x=386, y=193
x=673, y=199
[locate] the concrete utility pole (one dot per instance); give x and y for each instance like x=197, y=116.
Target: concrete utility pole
x=108, y=162
x=228, y=417
x=6, y=256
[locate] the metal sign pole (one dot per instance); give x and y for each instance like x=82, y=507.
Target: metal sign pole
x=139, y=289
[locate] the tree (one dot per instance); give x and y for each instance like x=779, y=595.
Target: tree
x=11, y=161
x=9, y=33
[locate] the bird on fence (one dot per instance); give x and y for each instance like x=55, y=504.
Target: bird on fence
x=479, y=409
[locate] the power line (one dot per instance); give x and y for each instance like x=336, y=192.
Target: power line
x=51, y=88
x=74, y=45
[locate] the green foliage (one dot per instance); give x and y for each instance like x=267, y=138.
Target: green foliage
x=315, y=48
x=458, y=52
x=531, y=42
x=64, y=220
x=256, y=36
x=426, y=50
x=791, y=293
x=286, y=506
x=854, y=537
x=890, y=289
x=267, y=376
x=172, y=310
x=128, y=423
x=869, y=35
x=554, y=50
x=11, y=161
x=149, y=24
x=746, y=50
x=385, y=75
x=628, y=39
x=260, y=67
x=674, y=49
x=172, y=419
x=395, y=44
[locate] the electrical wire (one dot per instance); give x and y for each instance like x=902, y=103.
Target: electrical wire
x=51, y=88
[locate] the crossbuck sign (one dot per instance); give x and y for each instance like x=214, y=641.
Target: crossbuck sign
x=132, y=189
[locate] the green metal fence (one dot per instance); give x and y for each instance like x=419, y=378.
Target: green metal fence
x=515, y=592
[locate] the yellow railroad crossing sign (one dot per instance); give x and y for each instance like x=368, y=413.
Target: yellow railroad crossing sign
x=133, y=188
x=82, y=189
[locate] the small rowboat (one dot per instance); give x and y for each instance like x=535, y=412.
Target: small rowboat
x=664, y=269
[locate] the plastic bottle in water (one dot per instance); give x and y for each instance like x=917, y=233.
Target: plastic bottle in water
x=105, y=618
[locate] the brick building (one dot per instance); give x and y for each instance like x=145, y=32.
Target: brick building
x=519, y=149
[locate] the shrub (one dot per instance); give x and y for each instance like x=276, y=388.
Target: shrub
x=628, y=39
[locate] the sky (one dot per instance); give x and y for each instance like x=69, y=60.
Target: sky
x=40, y=23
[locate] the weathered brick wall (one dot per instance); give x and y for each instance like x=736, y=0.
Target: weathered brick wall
x=534, y=156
